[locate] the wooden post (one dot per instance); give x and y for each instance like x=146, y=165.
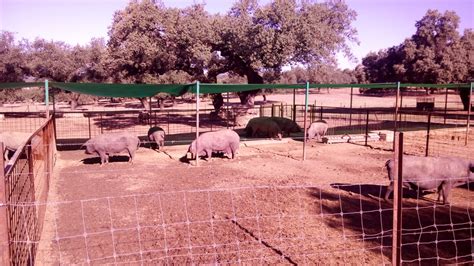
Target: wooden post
x=197, y=122
x=305, y=118
x=397, y=201
x=469, y=107
x=4, y=238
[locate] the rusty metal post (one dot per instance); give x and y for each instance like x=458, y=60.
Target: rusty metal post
x=294, y=105
x=469, y=107
x=428, y=129
x=4, y=238
x=54, y=117
x=149, y=112
x=397, y=201
x=101, y=123
x=401, y=106
x=395, y=118
x=168, y=121
x=367, y=127
x=89, y=125
x=445, y=106
x=46, y=98
x=227, y=111
x=350, y=106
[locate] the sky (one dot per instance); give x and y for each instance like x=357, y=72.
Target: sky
x=380, y=23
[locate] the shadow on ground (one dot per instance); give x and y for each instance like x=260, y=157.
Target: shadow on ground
x=430, y=231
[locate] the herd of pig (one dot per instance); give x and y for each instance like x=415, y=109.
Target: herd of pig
x=423, y=173
x=223, y=141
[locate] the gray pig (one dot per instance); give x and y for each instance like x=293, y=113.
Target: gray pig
x=12, y=141
x=224, y=140
x=317, y=129
x=263, y=127
x=286, y=125
x=428, y=173
x=157, y=134
x=111, y=143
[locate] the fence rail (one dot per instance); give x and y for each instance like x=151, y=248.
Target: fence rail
x=25, y=183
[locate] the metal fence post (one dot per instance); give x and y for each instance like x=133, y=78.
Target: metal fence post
x=101, y=123
x=149, y=112
x=89, y=124
x=428, y=135
x=168, y=120
x=350, y=104
x=46, y=98
x=197, y=122
x=397, y=201
x=54, y=117
x=367, y=127
x=469, y=107
x=227, y=111
x=445, y=105
x=321, y=113
x=4, y=238
x=395, y=117
x=305, y=118
x=294, y=105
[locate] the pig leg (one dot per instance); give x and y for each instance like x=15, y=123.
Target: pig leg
x=229, y=153
x=445, y=188
x=131, y=154
x=5, y=154
x=103, y=158
x=389, y=190
x=209, y=154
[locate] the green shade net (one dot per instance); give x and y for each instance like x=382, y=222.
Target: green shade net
x=148, y=90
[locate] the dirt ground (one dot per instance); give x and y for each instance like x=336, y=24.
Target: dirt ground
x=266, y=206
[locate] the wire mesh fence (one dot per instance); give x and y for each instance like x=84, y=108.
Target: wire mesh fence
x=262, y=208
x=26, y=180
x=430, y=132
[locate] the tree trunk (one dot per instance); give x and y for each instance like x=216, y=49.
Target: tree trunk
x=247, y=97
x=145, y=103
x=464, y=94
x=75, y=100
x=217, y=101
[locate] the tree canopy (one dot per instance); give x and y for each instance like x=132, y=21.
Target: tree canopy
x=151, y=43
x=435, y=53
x=147, y=39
